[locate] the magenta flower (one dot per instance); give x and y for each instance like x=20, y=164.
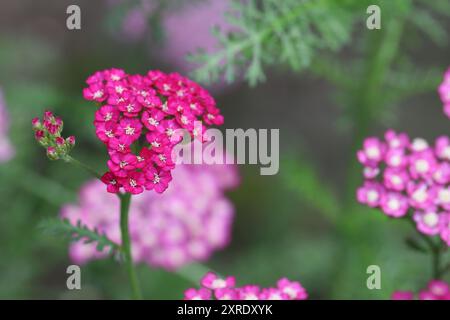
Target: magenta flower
x=6, y=149
x=436, y=290
x=215, y=287
x=408, y=175
x=187, y=223
x=137, y=121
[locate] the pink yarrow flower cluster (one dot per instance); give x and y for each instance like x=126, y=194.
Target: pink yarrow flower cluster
x=215, y=288
x=444, y=92
x=143, y=113
x=403, y=174
x=47, y=133
x=436, y=290
x=187, y=223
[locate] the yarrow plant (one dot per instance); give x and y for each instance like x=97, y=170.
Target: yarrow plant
x=140, y=119
x=214, y=287
x=409, y=178
x=142, y=114
x=187, y=223
x=404, y=175
x=436, y=290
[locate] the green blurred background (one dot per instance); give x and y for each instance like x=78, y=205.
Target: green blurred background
x=303, y=223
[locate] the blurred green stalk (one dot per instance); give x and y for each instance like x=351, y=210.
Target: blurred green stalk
x=125, y=200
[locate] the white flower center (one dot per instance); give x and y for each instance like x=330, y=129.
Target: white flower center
x=431, y=219
x=393, y=204
x=98, y=94
x=133, y=183
x=396, y=180
x=129, y=130
x=218, y=284
x=395, y=160
x=108, y=116
x=373, y=152
x=422, y=166
x=420, y=195
x=446, y=153
x=444, y=195
x=153, y=122
x=130, y=108
x=372, y=195
x=123, y=164
x=419, y=144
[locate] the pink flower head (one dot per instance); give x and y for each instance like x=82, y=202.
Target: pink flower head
x=372, y=153
x=370, y=194
x=421, y=196
x=395, y=179
x=212, y=281
x=138, y=119
x=200, y=294
x=442, y=148
x=226, y=294
x=436, y=290
x=439, y=289
x=157, y=180
x=293, y=289
x=225, y=289
x=396, y=140
x=412, y=174
x=422, y=164
x=428, y=221
x=249, y=292
x=394, y=204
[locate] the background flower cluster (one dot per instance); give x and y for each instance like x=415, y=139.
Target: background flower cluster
x=185, y=224
x=403, y=174
x=214, y=287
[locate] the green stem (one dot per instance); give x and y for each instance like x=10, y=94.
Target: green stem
x=125, y=200
x=434, y=249
x=82, y=166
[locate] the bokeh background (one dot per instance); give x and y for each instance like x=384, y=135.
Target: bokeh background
x=304, y=222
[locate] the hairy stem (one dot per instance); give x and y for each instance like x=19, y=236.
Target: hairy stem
x=125, y=200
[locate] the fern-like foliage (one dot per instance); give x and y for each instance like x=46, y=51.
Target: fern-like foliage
x=267, y=32
x=294, y=33
x=78, y=232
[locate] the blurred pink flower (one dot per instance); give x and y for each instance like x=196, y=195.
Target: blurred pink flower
x=190, y=28
x=436, y=290
x=7, y=151
x=187, y=223
x=403, y=174
x=186, y=28
x=214, y=287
